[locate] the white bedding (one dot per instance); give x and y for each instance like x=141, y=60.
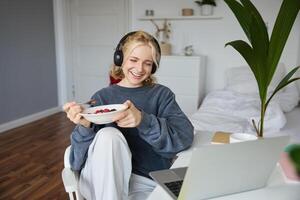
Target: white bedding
x=232, y=109
x=292, y=127
x=225, y=110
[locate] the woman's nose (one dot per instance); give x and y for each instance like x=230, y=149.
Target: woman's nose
x=139, y=66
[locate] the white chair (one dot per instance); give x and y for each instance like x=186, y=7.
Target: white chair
x=70, y=178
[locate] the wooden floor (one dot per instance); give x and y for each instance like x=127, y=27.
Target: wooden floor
x=31, y=159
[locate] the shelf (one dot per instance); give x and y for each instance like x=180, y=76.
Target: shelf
x=194, y=17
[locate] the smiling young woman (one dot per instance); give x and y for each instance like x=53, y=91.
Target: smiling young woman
x=138, y=48
x=137, y=67
x=115, y=159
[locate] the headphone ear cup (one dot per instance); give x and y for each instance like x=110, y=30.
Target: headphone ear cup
x=118, y=58
x=154, y=67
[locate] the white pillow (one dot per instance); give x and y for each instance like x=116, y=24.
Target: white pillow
x=241, y=79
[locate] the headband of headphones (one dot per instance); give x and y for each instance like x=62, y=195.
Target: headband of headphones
x=118, y=55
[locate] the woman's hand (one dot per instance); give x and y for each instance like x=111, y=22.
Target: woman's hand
x=73, y=109
x=129, y=118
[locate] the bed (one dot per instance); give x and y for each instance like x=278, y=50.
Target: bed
x=233, y=108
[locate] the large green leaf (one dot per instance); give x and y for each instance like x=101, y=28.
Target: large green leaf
x=275, y=91
x=246, y=52
x=258, y=30
x=287, y=77
x=260, y=45
x=243, y=17
x=283, y=25
x=284, y=82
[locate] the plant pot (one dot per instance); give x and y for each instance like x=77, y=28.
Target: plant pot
x=206, y=10
x=166, y=48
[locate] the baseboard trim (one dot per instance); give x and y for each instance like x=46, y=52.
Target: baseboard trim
x=28, y=119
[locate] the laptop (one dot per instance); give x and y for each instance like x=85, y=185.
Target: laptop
x=217, y=170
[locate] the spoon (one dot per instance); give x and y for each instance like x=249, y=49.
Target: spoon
x=89, y=102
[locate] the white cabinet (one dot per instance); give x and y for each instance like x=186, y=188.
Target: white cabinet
x=185, y=76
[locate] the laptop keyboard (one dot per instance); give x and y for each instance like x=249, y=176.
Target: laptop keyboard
x=174, y=187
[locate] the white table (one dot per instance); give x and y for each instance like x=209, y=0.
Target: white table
x=277, y=188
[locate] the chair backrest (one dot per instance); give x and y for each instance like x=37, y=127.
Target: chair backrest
x=66, y=157
x=70, y=178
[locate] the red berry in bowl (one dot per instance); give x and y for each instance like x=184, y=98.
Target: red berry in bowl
x=98, y=111
x=105, y=110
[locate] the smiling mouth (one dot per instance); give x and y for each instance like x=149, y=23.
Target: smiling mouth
x=135, y=75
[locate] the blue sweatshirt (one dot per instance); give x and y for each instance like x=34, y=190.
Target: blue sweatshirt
x=163, y=132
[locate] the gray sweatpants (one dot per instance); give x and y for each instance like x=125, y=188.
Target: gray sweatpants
x=107, y=171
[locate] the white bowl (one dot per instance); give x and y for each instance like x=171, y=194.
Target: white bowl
x=102, y=118
x=241, y=137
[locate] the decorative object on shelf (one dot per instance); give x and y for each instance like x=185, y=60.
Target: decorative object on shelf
x=188, y=50
x=206, y=7
x=166, y=48
x=149, y=12
x=263, y=54
x=163, y=36
x=169, y=18
x=187, y=12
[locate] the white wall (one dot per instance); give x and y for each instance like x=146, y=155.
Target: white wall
x=298, y=63
x=209, y=36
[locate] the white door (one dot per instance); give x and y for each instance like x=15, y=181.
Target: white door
x=96, y=28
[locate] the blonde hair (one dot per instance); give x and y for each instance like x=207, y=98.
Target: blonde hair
x=130, y=43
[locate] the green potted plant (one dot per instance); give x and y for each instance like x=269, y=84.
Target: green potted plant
x=206, y=6
x=263, y=53
x=294, y=154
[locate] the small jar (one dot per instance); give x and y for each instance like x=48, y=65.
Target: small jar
x=149, y=12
